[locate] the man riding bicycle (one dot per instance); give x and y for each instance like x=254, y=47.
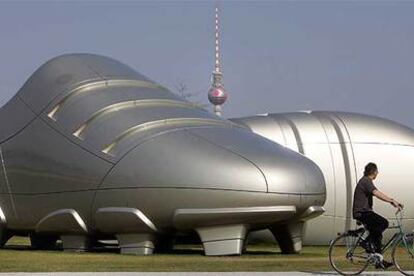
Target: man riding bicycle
x=362, y=210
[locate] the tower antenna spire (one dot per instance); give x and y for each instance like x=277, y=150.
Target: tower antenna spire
x=217, y=95
x=217, y=39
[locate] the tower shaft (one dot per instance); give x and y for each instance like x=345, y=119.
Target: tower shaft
x=217, y=94
x=217, y=41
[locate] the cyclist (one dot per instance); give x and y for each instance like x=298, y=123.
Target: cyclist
x=362, y=210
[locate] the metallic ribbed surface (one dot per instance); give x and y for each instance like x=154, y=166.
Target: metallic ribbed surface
x=87, y=133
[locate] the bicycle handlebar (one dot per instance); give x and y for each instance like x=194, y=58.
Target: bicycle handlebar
x=400, y=207
x=399, y=216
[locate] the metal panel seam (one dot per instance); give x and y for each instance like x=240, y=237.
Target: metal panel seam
x=124, y=105
x=89, y=67
x=245, y=158
x=3, y=165
x=166, y=132
x=347, y=170
x=187, y=121
x=280, y=127
x=25, y=126
x=354, y=165
x=68, y=138
x=178, y=188
x=318, y=117
x=149, y=138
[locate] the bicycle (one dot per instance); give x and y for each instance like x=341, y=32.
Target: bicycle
x=348, y=256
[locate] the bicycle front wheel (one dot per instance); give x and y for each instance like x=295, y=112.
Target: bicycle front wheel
x=346, y=256
x=403, y=254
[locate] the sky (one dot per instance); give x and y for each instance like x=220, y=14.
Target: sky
x=277, y=56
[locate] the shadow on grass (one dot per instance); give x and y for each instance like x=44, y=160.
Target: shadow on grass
x=18, y=247
x=114, y=249
x=320, y=272
x=57, y=248
x=195, y=249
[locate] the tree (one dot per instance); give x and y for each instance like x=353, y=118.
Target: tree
x=182, y=90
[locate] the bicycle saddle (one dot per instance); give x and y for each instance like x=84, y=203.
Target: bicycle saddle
x=360, y=223
x=356, y=232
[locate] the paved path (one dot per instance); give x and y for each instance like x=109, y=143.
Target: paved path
x=380, y=273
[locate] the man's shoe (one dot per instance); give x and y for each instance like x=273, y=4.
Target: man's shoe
x=383, y=265
x=387, y=264
x=379, y=265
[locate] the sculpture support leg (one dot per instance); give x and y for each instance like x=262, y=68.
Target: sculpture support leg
x=4, y=236
x=222, y=240
x=164, y=244
x=137, y=244
x=75, y=243
x=43, y=242
x=289, y=237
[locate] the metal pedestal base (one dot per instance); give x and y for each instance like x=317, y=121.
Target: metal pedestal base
x=136, y=244
x=289, y=237
x=75, y=243
x=222, y=240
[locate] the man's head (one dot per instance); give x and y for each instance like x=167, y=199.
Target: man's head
x=371, y=170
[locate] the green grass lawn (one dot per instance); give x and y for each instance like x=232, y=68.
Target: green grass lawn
x=18, y=257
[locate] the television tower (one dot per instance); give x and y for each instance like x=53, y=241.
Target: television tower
x=217, y=95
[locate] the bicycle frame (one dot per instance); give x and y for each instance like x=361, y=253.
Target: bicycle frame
x=397, y=235
x=394, y=239
x=363, y=256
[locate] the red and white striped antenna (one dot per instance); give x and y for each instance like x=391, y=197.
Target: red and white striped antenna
x=217, y=95
x=217, y=39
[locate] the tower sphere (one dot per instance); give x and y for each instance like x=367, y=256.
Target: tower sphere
x=217, y=95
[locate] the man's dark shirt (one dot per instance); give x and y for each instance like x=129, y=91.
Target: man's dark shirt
x=363, y=196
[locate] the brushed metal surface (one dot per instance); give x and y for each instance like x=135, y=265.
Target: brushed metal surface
x=3, y=229
x=40, y=160
x=195, y=218
x=62, y=73
x=223, y=240
x=62, y=221
x=32, y=208
x=2, y=217
x=284, y=170
x=123, y=220
x=75, y=243
x=82, y=107
x=129, y=105
x=23, y=116
x=312, y=212
x=184, y=164
x=136, y=244
x=142, y=128
x=136, y=146
x=177, y=198
x=96, y=85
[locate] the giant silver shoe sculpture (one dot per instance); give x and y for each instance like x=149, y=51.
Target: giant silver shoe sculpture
x=92, y=150
x=341, y=144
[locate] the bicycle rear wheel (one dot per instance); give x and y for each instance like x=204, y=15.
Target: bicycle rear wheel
x=403, y=254
x=346, y=256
